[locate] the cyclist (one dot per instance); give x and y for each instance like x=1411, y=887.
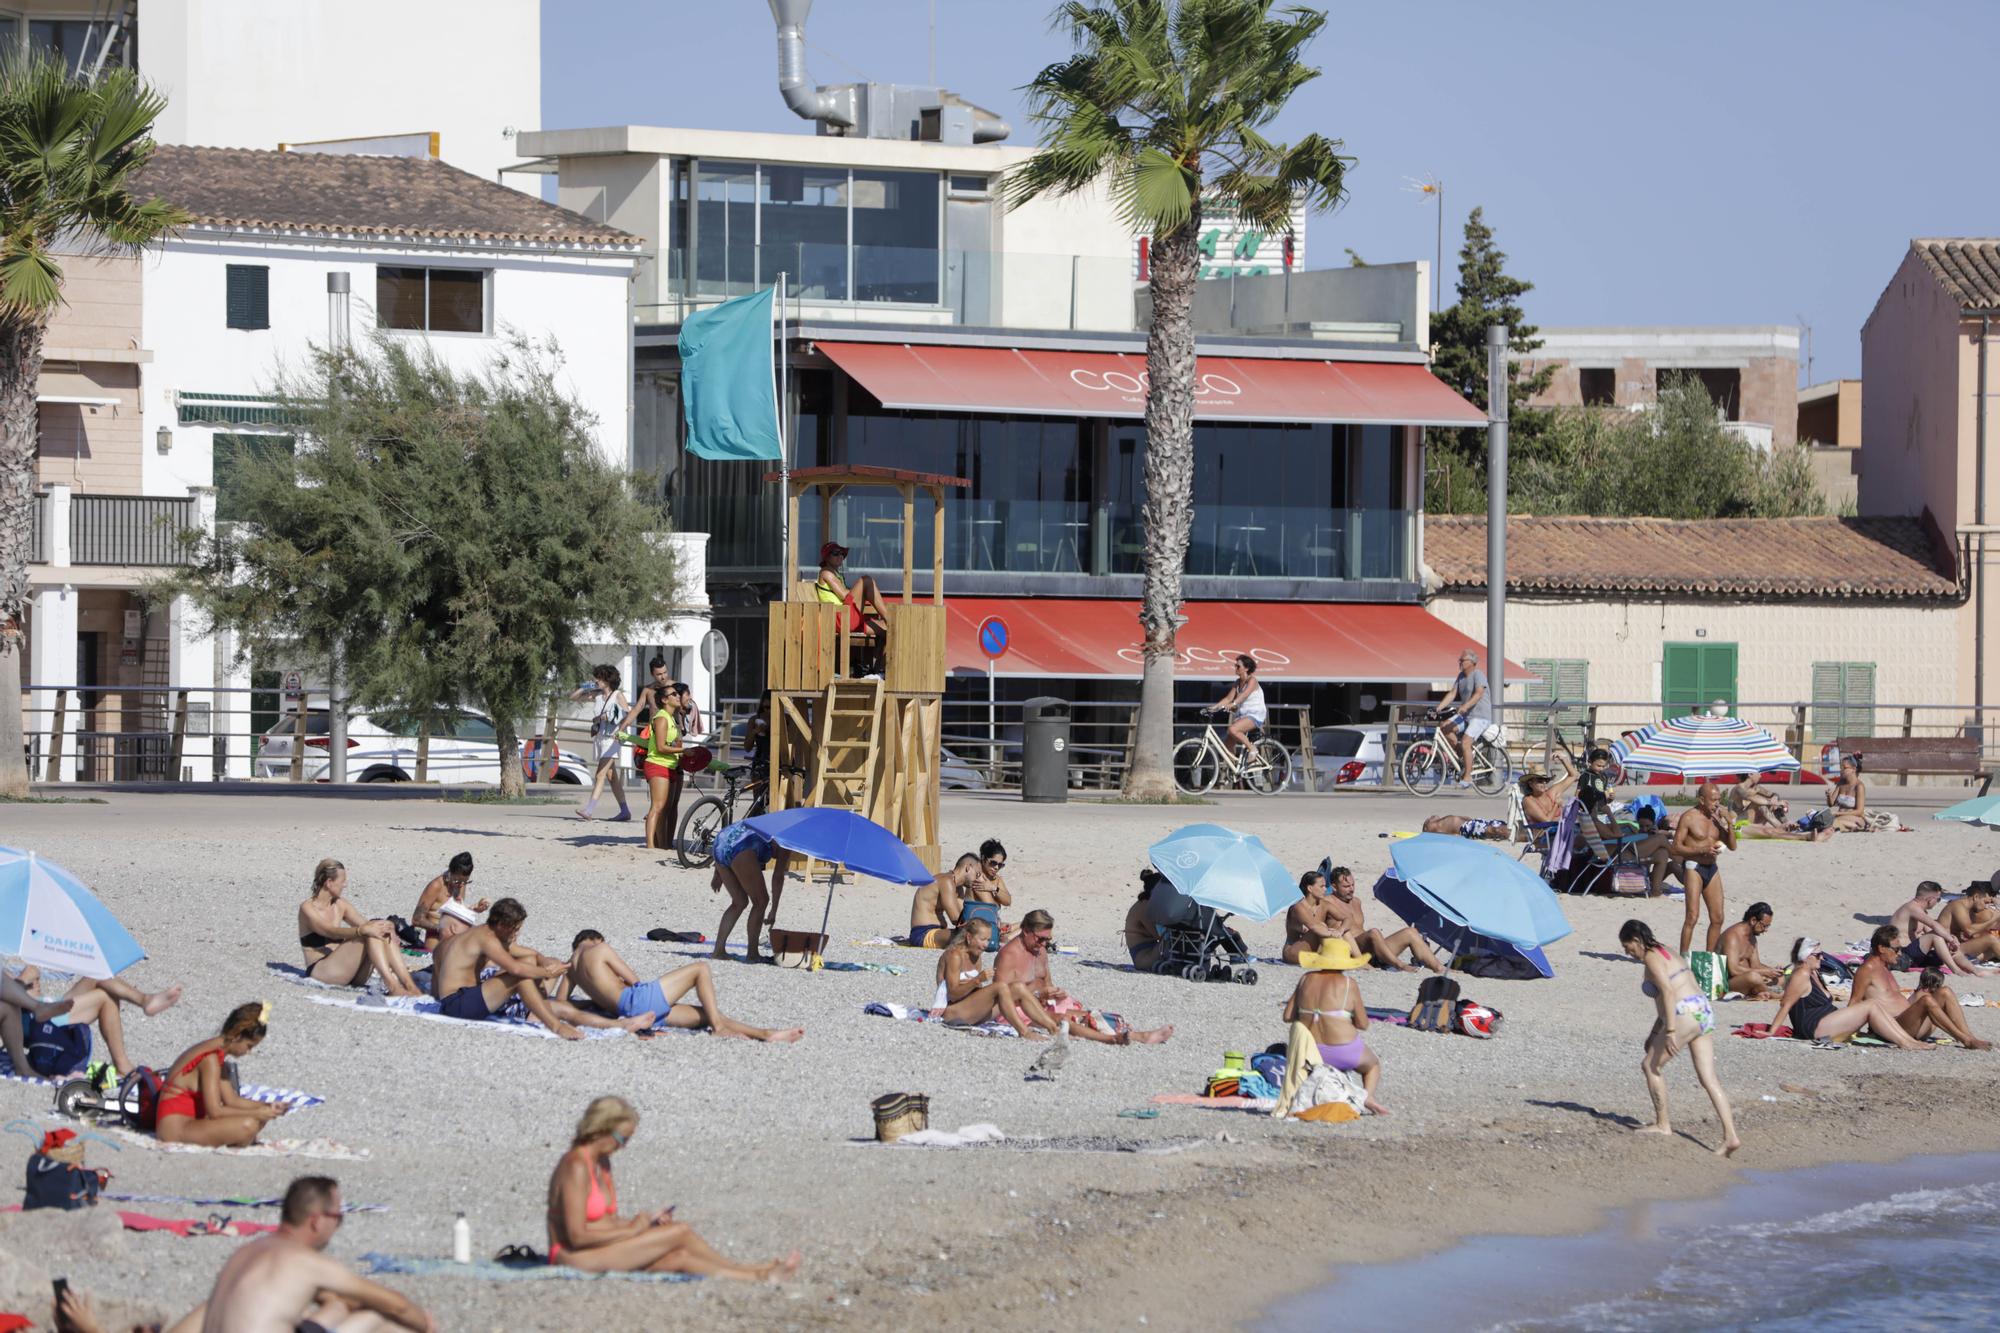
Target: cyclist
x=1244, y=703
x=1466, y=713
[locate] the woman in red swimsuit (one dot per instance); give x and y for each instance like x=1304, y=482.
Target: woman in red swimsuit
x=198, y=1106
x=585, y=1230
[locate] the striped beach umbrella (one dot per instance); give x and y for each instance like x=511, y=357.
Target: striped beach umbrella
x=1702, y=747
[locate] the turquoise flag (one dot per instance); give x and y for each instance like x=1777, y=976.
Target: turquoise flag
x=729, y=379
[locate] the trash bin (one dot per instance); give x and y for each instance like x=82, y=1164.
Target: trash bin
x=1045, y=750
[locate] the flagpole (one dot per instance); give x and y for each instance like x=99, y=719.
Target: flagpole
x=786, y=576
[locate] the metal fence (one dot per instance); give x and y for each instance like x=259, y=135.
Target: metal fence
x=129, y=529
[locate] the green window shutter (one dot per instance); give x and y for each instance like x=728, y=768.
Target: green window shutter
x=248, y=302
x=1858, y=697
x=1568, y=679
x=1827, y=699
x=1680, y=678
x=1718, y=674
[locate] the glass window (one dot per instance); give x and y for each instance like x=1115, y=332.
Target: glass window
x=471, y=727
x=437, y=300
x=399, y=297
x=80, y=43
x=896, y=236
x=726, y=228
x=804, y=229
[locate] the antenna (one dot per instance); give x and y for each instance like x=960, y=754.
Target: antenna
x=1430, y=185
x=933, y=78
x=1809, y=348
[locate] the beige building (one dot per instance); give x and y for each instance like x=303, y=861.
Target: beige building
x=1853, y=619
x=1751, y=371
x=1830, y=426
x=1925, y=409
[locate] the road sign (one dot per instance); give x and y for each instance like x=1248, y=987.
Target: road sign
x=714, y=650
x=295, y=685
x=993, y=637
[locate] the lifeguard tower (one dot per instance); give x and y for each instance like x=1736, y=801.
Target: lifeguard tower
x=868, y=745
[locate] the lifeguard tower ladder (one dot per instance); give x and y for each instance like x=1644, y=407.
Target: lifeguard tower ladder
x=867, y=745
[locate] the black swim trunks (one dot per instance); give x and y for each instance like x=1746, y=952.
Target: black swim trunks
x=468, y=1002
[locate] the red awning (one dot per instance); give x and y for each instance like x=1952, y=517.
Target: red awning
x=1113, y=384
x=1369, y=643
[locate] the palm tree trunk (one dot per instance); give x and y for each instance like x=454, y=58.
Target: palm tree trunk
x=1169, y=508
x=20, y=372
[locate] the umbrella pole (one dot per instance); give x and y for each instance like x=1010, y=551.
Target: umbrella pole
x=825, y=916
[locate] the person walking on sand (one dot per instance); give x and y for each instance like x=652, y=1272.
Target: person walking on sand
x=340, y=946
x=1698, y=835
x=586, y=1232
x=1686, y=1019
x=609, y=710
x=596, y=969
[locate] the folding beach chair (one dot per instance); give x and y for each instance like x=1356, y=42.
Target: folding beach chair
x=1610, y=850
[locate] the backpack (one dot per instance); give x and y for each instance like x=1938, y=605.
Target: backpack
x=1436, y=1006
x=56, y=1052
x=140, y=1095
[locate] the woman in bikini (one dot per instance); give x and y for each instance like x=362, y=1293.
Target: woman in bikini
x=967, y=992
x=1686, y=1018
x=1329, y=1003
x=866, y=614
x=1847, y=799
x=1807, y=1012
x=586, y=1232
x=741, y=853
x=343, y=947
x=198, y=1105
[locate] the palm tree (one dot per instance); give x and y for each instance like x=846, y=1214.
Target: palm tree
x=69, y=149
x=1167, y=100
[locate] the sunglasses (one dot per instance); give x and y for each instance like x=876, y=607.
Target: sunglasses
x=997, y=865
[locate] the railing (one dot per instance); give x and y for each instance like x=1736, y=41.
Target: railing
x=130, y=529
x=38, y=530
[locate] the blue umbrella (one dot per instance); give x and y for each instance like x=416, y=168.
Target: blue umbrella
x=1978, y=810
x=49, y=918
x=1484, y=893
x=842, y=836
x=1451, y=936
x=1225, y=870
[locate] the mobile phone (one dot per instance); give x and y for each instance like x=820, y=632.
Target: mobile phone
x=63, y=1323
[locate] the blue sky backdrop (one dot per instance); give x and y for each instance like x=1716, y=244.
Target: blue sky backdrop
x=1709, y=162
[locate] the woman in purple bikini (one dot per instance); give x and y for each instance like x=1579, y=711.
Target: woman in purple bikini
x=1328, y=1002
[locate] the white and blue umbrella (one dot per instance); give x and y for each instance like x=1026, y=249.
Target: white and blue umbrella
x=1225, y=870
x=48, y=918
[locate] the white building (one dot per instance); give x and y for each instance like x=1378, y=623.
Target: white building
x=453, y=79
x=160, y=367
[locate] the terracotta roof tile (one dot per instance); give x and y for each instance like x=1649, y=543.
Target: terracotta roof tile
x=1968, y=266
x=339, y=193
x=1782, y=559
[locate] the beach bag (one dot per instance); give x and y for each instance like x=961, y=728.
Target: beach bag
x=56, y=1052
x=1711, y=973
x=1631, y=881
x=1327, y=1086
x=796, y=948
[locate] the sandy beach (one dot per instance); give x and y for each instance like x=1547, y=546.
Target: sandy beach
x=1195, y=1218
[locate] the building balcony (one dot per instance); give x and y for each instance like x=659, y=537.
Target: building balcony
x=118, y=530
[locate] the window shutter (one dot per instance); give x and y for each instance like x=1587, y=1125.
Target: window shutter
x=1568, y=679
x=1827, y=719
x=248, y=301
x=1857, y=697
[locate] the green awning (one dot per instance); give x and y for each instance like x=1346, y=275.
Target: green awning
x=228, y=409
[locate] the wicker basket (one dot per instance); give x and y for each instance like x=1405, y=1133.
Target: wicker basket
x=900, y=1113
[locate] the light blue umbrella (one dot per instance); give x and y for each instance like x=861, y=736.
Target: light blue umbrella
x=1481, y=888
x=48, y=918
x=1225, y=870
x=1979, y=810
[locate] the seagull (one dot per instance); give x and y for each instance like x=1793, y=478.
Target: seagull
x=1051, y=1060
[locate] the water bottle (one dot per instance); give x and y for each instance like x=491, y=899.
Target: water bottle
x=461, y=1241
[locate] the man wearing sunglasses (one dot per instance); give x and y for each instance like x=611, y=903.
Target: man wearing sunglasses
x=1024, y=960
x=286, y=1281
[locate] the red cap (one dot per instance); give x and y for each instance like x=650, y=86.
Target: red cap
x=831, y=549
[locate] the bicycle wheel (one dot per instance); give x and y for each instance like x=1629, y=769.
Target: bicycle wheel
x=1491, y=770
x=1422, y=769
x=1195, y=766
x=703, y=820
x=1269, y=768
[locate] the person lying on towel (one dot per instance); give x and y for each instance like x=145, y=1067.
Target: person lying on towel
x=455, y=983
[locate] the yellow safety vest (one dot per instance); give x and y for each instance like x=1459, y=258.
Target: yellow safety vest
x=654, y=740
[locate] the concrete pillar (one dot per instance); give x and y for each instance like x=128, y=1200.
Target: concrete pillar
x=52, y=631
x=59, y=534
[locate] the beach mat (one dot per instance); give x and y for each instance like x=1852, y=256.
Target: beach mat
x=256, y=1092
x=406, y=1006
x=241, y=1201
x=826, y=964
x=1214, y=1103
x=397, y=1265
x=325, y=1150
x=213, y=1225
x=990, y=1028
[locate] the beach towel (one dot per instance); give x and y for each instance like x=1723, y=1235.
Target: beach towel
x=992, y=1027
x=1214, y=1103
x=884, y=942
x=963, y=1136
x=326, y=1150
x=826, y=964
x=213, y=1225
x=240, y=1201
x=426, y=1008
x=396, y=1265
x=256, y=1092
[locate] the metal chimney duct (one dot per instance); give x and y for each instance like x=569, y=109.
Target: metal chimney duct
x=829, y=106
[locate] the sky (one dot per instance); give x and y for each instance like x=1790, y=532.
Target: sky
x=1706, y=162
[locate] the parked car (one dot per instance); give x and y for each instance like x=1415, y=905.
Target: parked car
x=1345, y=756
x=463, y=749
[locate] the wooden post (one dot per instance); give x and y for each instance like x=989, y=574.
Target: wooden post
x=179, y=743
x=937, y=546
x=909, y=495
x=53, y=769
x=1590, y=737
x=299, y=738
x=1799, y=722
x=549, y=737
x=1909, y=722
x=1309, y=780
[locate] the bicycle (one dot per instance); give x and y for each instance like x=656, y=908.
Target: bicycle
x=1200, y=761
x=1426, y=764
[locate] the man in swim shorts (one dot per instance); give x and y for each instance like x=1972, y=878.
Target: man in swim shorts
x=286, y=1280
x=1464, y=826
x=1345, y=911
x=1927, y=943
x=939, y=904
x=1932, y=1006
x=1698, y=835
x=456, y=986
x=1972, y=921
x=614, y=989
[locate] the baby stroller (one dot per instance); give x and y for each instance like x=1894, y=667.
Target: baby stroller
x=1196, y=942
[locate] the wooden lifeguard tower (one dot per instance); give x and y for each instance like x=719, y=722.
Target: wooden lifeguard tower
x=868, y=745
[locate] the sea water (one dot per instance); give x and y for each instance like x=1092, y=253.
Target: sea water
x=1908, y=1245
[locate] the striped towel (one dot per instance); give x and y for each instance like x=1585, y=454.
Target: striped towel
x=324, y=1149
x=424, y=1007
x=256, y=1092
x=397, y=1265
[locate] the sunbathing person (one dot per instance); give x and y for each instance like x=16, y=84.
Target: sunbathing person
x=940, y=904
x=741, y=853
x=33, y=1029
x=1685, y=1018
x=586, y=1232
x=1387, y=950
x=461, y=994
x=1024, y=961
x=967, y=992
x=342, y=947
x=286, y=1281
x=1311, y=921
x=1972, y=921
x=1769, y=815
x=1749, y=976
x=615, y=989
x=1463, y=826
x=197, y=1104
x=1807, y=1011
x=1542, y=797
x=1846, y=800
x=1932, y=1005
x=1328, y=1002
x=990, y=886
x=449, y=886
x=1142, y=937
x=1929, y=943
